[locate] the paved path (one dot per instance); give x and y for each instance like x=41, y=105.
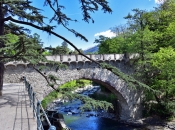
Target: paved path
x=15, y=112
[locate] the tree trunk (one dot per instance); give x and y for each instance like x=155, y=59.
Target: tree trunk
x=1, y=46
x=1, y=75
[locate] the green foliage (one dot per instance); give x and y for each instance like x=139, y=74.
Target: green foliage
x=159, y=70
x=163, y=61
x=144, y=33
x=75, y=84
x=53, y=78
x=133, y=83
x=49, y=98
x=22, y=12
x=56, y=65
x=83, y=82
x=108, y=97
x=164, y=110
x=69, y=86
x=9, y=41
x=75, y=52
x=89, y=103
x=60, y=50
x=22, y=47
x=43, y=67
x=151, y=34
x=65, y=93
x=104, y=89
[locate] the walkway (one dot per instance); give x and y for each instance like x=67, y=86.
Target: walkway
x=15, y=112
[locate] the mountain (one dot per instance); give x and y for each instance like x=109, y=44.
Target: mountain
x=91, y=49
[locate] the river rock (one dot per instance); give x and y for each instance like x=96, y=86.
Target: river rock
x=87, y=115
x=75, y=111
x=171, y=127
x=69, y=113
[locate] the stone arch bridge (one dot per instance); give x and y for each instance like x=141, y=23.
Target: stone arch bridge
x=79, y=67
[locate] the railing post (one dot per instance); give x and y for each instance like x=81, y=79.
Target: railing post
x=31, y=95
x=34, y=107
x=25, y=82
x=28, y=88
x=38, y=116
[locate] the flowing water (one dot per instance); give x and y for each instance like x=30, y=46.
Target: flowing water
x=89, y=120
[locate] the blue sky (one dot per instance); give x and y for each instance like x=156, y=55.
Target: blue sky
x=102, y=25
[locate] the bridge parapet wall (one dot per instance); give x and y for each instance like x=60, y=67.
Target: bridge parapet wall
x=98, y=57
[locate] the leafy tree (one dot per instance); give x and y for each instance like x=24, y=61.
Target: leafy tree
x=163, y=61
x=59, y=50
x=64, y=44
x=138, y=24
x=122, y=43
x=160, y=68
x=165, y=13
x=151, y=34
x=75, y=52
x=156, y=69
x=65, y=47
x=113, y=45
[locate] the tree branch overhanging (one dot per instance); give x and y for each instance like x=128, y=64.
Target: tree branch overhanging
x=64, y=21
x=47, y=29
x=45, y=77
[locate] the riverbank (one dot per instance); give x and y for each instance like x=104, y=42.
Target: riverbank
x=156, y=123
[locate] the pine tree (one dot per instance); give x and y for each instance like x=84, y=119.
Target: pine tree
x=22, y=12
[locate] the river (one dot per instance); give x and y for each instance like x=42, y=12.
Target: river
x=89, y=120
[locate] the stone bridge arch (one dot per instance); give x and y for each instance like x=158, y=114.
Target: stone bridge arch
x=129, y=99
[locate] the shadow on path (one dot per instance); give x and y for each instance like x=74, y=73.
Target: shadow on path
x=16, y=113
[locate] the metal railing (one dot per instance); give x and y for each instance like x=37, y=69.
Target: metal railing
x=38, y=111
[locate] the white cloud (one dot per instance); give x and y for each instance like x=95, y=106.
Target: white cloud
x=107, y=33
x=159, y=1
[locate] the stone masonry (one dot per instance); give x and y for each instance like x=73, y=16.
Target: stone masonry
x=129, y=99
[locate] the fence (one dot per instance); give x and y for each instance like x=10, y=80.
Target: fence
x=38, y=111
